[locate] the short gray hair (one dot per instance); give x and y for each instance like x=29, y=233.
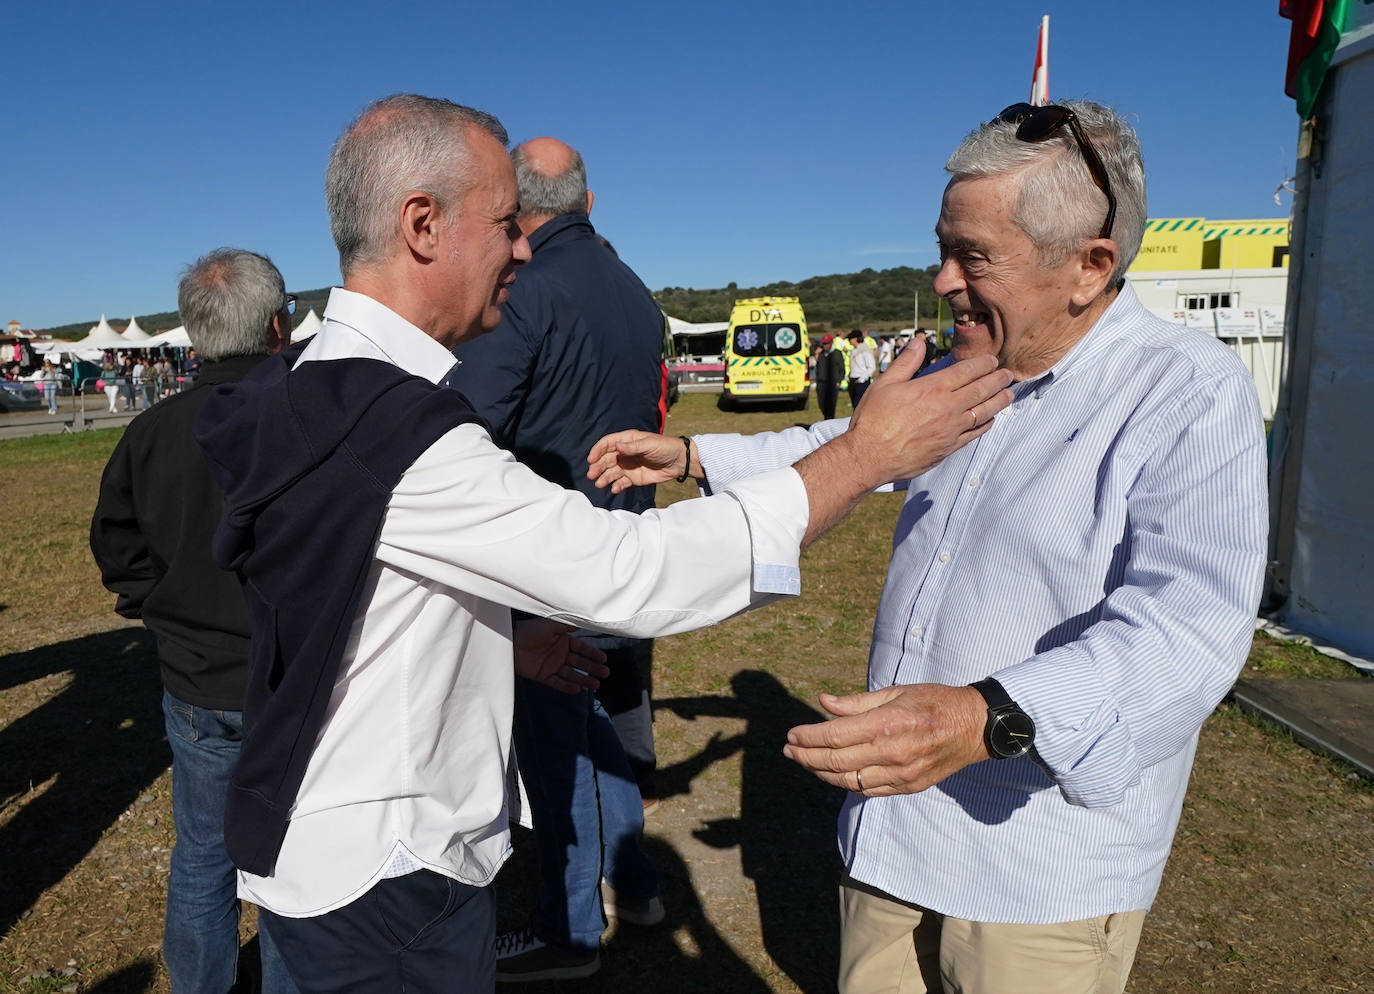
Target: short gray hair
x=544, y=195
x=227, y=299
x=400, y=143
x=1060, y=206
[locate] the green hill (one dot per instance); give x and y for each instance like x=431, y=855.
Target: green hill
x=870, y=298
x=866, y=299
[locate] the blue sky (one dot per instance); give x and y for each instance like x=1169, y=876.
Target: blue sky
x=744, y=142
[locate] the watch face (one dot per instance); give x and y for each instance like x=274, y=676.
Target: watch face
x=1011, y=734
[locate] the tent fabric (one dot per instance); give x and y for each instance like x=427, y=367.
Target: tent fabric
x=309, y=325
x=174, y=339
x=134, y=333
x=679, y=327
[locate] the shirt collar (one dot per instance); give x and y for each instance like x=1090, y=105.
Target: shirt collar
x=400, y=341
x=1119, y=317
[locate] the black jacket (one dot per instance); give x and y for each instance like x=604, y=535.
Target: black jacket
x=830, y=366
x=307, y=459
x=154, y=518
x=579, y=354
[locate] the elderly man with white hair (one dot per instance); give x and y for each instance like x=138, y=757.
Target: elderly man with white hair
x=1068, y=598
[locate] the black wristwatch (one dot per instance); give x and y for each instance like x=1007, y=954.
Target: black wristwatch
x=1010, y=732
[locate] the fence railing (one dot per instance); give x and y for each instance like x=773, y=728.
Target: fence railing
x=82, y=405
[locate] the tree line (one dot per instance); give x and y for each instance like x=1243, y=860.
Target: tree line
x=864, y=299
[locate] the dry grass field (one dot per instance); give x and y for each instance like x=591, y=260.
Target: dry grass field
x=1268, y=887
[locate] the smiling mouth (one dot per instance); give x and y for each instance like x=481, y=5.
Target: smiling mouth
x=970, y=319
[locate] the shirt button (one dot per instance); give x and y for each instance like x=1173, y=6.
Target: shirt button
x=944, y=557
x=918, y=631
x=973, y=482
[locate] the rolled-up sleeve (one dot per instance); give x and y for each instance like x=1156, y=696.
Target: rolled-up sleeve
x=468, y=516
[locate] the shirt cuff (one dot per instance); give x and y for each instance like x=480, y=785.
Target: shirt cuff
x=777, y=511
x=1080, y=736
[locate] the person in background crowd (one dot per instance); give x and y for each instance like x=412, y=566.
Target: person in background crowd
x=829, y=373
x=862, y=366
x=109, y=378
x=578, y=354
x=1068, y=598
x=165, y=375
x=884, y=353
x=137, y=368
x=50, y=379
x=151, y=536
x=192, y=365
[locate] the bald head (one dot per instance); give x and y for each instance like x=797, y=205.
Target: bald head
x=552, y=181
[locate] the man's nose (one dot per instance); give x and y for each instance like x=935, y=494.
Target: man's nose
x=950, y=278
x=520, y=250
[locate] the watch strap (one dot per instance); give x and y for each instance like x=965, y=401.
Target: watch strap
x=994, y=694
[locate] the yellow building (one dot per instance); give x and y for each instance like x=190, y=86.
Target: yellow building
x=1194, y=243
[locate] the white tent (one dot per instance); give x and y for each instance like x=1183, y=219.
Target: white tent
x=134, y=335
x=102, y=336
x=310, y=324
x=679, y=327
x=174, y=339
x=58, y=347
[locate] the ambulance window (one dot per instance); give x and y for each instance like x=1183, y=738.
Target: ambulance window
x=767, y=339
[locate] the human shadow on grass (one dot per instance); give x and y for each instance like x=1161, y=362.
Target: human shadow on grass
x=683, y=954
x=785, y=831
x=85, y=755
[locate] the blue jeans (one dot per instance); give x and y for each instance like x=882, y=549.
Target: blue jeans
x=200, y=937
x=588, y=818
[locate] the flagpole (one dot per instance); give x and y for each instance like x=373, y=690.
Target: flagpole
x=1040, y=77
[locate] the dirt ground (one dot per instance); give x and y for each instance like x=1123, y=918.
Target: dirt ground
x=1269, y=886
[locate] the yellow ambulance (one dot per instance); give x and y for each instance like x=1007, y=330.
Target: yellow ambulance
x=766, y=352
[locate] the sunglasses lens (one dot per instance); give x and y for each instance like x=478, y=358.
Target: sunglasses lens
x=1041, y=124
x=1016, y=113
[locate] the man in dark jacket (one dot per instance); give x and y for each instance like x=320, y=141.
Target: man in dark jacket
x=151, y=534
x=578, y=354
x=829, y=373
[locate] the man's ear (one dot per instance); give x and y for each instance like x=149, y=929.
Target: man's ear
x=420, y=225
x=590, y=197
x=1097, y=262
x=278, y=332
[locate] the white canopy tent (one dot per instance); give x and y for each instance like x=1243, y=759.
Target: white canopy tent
x=102, y=336
x=58, y=347
x=309, y=325
x=134, y=335
x=175, y=339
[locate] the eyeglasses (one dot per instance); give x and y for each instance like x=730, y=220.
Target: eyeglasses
x=1036, y=124
x=290, y=305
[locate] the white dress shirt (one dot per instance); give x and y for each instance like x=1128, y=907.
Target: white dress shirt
x=409, y=770
x=1099, y=551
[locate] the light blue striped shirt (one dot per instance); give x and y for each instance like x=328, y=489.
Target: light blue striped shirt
x=1100, y=551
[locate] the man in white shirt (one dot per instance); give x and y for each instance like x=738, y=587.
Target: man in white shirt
x=383, y=540
x=862, y=366
x=1068, y=598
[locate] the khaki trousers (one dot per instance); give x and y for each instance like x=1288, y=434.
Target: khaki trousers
x=890, y=947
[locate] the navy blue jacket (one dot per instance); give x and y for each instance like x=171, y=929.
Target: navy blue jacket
x=579, y=354
x=307, y=460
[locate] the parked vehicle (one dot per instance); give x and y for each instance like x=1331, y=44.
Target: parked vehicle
x=766, y=350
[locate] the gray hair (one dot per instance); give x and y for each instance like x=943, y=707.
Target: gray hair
x=544, y=195
x=1059, y=206
x=398, y=144
x=227, y=299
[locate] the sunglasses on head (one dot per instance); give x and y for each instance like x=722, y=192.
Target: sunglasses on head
x=1036, y=124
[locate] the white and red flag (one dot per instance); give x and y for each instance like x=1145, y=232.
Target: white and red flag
x=1040, y=81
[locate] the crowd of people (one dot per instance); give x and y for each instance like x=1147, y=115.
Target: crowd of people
x=386, y=566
